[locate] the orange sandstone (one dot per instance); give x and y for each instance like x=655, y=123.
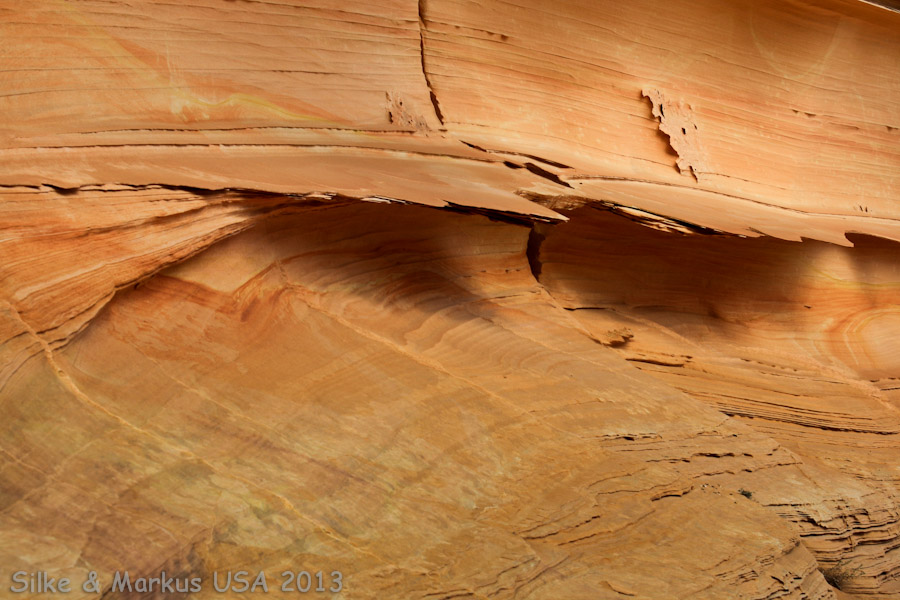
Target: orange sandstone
x=523, y=300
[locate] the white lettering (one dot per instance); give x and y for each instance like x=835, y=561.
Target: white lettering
x=19, y=577
x=166, y=587
x=121, y=583
x=225, y=587
x=241, y=577
x=260, y=581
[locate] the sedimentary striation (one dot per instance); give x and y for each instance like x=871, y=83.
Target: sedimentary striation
x=460, y=300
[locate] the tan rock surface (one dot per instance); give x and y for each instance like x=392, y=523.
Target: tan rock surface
x=459, y=299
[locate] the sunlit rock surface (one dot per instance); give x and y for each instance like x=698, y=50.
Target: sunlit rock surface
x=462, y=300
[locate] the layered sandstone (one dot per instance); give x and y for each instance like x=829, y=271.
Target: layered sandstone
x=585, y=300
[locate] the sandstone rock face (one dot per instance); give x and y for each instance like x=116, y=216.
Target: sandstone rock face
x=458, y=300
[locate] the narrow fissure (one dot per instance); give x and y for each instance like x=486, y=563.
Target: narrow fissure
x=434, y=100
x=533, y=249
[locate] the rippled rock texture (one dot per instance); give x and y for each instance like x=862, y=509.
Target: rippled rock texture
x=462, y=300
